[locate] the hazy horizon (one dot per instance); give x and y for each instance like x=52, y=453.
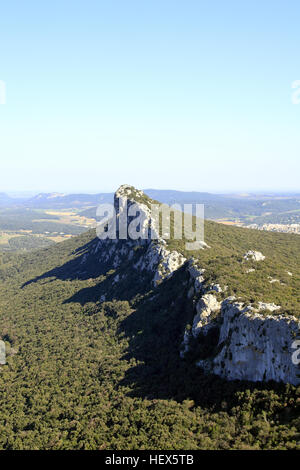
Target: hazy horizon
x=241, y=193
x=169, y=94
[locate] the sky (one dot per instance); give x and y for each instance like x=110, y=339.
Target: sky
x=188, y=95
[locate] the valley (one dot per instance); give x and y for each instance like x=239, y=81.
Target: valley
x=36, y=222
x=28, y=229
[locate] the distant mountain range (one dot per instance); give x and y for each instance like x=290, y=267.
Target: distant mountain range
x=217, y=206
x=6, y=200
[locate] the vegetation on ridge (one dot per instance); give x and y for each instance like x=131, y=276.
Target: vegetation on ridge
x=87, y=374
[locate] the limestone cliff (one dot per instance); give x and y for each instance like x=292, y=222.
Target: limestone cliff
x=249, y=342
x=250, y=346
x=156, y=257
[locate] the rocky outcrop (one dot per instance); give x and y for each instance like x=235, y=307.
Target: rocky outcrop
x=254, y=347
x=251, y=345
x=129, y=202
x=254, y=256
x=158, y=259
x=270, y=307
x=155, y=257
x=206, y=308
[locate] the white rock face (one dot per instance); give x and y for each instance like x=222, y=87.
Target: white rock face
x=170, y=261
x=255, y=347
x=196, y=275
x=272, y=281
x=254, y=256
x=162, y=262
x=205, y=308
x=125, y=201
x=270, y=307
x=251, y=346
x=157, y=258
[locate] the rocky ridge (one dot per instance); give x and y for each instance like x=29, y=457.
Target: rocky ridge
x=156, y=257
x=250, y=342
x=250, y=346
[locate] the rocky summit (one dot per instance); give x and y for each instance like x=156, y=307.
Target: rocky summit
x=251, y=342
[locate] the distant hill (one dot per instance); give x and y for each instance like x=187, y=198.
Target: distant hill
x=6, y=200
x=64, y=201
x=245, y=208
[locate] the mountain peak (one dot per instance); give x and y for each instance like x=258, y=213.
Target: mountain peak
x=127, y=195
x=133, y=195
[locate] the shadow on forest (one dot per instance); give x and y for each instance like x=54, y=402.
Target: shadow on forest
x=155, y=331
x=76, y=268
x=88, y=266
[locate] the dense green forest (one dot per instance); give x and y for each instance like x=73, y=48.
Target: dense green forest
x=86, y=374
x=26, y=243
x=249, y=280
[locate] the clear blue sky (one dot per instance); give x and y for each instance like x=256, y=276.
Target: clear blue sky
x=191, y=95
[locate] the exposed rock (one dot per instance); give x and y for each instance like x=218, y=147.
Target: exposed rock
x=254, y=347
x=217, y=288
x=196, y=275
x=155, y=257
x=272, y=281
x=254, y=256
x=126, y=199
x=251, y=346
x=205, y=308
x=271, y=307
x=169, y=262
x=162, y=262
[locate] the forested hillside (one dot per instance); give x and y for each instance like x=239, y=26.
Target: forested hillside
x=93, y=350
